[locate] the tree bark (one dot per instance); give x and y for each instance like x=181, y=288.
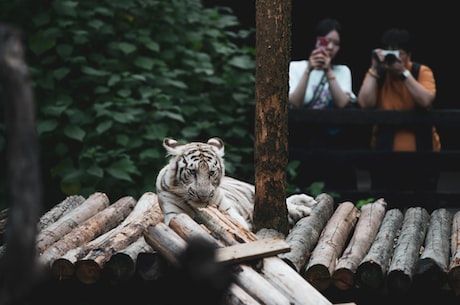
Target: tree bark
x=62, y=208
x=55, y=231
x=94, y=226
x=454, y=267
x=305, y=234
x=372, y=270
x=370, y=219
x=19, y=270
x=273, y=19
x=407, y=251
x=431, y=268
x=330, y=245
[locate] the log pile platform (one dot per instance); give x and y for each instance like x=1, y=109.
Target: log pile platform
x=119, y=252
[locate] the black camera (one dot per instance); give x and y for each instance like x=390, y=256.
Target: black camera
x=390, y=56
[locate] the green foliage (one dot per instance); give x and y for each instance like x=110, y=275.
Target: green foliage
x=113, y=78
x=362, y=202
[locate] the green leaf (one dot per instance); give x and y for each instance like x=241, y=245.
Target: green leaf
x=119, y=174
x=103, y=127
x=150, y=153
x=46, y=126
x=39, y=43
x=144, y=63
x=93, y=72
x=60, y=73
x=127, y=48
x=74, y=132
x=95, y=171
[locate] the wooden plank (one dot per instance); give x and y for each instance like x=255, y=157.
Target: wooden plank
x=252, y=250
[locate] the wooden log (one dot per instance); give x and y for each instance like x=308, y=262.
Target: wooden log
x=305, y=233
x=55, y=231
x=151, y=266
x=45, y=220
x=251, y=251
x=431, y=268
x=121, y=266
x=407, y=250
x=275, y=270
x=62, y=208
x=370, y=219
x=238, y=296
x=64, y=267
x=166, y=242
x=330, y=245
x=88, y=269
x=258, y=286
x=94, y=226
x=453, y=273
x=372, y=270
x=185, y=227
x=171, y=245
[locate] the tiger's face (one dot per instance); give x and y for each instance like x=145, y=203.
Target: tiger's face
x=198, y=169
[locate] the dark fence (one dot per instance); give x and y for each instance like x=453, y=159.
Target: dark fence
x=352, y=171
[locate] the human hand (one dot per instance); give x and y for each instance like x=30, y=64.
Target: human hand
x=320, y=59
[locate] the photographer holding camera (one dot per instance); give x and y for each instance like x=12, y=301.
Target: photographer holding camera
x=391, y=84
x=395, y=82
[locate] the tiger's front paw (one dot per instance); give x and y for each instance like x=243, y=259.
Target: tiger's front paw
x=299, y=206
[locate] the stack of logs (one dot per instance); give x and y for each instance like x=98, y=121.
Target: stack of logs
x=337, y=245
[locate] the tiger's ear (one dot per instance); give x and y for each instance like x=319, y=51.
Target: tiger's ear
x=171, y=146
x=218, y=143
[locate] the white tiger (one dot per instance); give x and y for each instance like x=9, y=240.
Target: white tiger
x=195, y=177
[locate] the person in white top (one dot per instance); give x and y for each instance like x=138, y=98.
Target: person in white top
x=317, y=83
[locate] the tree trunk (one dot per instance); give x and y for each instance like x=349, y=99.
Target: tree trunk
x=330, y=245
x=431, y=267
x=304, y=235
x=454, y=267
x=273, y=39
x=372, y=270
x=19, y=270
x=368, y=225
x=407, y=251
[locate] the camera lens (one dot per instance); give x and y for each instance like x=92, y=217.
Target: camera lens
x=390, y=59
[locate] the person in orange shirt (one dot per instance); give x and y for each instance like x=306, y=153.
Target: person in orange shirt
x=390, y=85
x=395, y=82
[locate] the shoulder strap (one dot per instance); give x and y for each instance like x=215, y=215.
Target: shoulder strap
x=415, y=69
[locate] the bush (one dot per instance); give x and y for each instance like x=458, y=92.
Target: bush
x=113, y=78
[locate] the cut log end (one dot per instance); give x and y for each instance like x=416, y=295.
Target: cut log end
x=318, y=276
x=369, y=276
x=428, y=274
x=454, y=280
x=398, y=282
x=62, y=269
x=343, y=279
x=88, y=271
